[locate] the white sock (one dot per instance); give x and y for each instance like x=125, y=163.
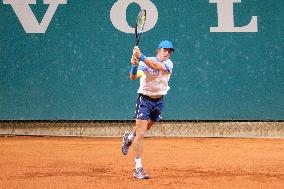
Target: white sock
x=138, y=163
x=131, y=136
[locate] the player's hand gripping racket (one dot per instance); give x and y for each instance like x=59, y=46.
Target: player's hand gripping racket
x=140, y=22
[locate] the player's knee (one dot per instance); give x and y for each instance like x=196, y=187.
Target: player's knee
x=140, y=134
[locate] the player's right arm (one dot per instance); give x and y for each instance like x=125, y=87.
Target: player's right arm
x=134, y=68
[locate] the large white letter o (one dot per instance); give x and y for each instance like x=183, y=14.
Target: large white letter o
x=118, y=15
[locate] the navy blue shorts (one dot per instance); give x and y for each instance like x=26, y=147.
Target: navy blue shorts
x=149, y=108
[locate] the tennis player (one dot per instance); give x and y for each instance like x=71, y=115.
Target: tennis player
x=150, y=103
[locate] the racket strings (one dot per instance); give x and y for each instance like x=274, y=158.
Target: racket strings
x=140, y=22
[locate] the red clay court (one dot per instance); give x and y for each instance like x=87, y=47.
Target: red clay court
x=74, y=162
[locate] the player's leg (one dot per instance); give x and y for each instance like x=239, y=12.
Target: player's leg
x=128, y=137
x=143, y=107
x=141, y=129
x=155, y=116
x=142, y=126
x=142, y=112
x=150, y=124
x=132, y=134
x=142, y=116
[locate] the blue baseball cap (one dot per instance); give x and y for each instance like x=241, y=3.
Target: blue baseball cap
x=166, y=45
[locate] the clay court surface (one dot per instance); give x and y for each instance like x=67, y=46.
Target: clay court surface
x=71, y=162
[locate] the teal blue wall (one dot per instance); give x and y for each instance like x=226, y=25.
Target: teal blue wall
x=78, y=69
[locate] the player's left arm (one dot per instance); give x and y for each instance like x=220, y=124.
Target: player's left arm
x=151, y=63
x=155, y=65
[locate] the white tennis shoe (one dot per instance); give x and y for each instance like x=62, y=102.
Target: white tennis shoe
x=139, y=173
x=125, y=143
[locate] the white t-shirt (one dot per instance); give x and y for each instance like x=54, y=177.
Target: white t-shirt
x=154, y=82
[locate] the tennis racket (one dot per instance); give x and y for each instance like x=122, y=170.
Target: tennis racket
x=140, y=22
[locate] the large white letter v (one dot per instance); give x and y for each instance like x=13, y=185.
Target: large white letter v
x=27, y=17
